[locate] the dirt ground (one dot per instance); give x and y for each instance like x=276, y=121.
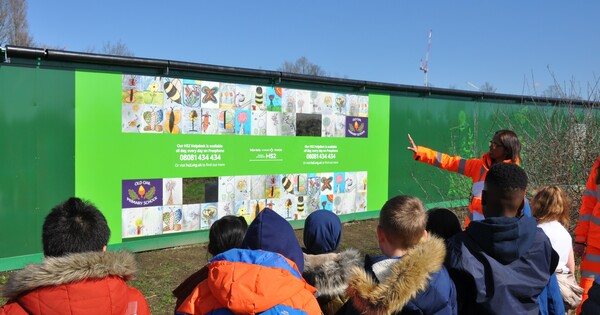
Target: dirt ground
x=161, y=271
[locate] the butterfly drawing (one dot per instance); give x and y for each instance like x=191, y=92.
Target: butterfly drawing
x=326, y=183
x=154, y=119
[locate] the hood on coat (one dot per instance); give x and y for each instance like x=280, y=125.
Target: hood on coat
x=408, y=277
x=253, y=281
x=487, y=161
x=71, y=268
x=322, y=232
x=329, y=272
x=504, y=239
x=270, y=232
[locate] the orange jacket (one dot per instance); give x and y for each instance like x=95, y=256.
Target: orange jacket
x=251, y=282
x=84, y=283
x=588, y=226
x=474, y=168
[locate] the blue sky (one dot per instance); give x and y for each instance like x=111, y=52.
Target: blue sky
x=510, y=44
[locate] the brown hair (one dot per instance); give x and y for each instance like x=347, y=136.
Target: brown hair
x=403, y=220
x=512, y=146
x=551, y=204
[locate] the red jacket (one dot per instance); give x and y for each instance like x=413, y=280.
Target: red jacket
x=588, y=226
x=83, y=283
x=474, y=168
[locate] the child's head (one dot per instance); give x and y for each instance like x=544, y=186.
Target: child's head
x=551, y=204
x=322, y=232
x=226, y=233
x=442, y=222
x=402, y=223
x=74, y=226
x=503, y=192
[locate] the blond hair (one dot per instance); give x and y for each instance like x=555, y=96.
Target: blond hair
x=403, y=220
x=551, y=204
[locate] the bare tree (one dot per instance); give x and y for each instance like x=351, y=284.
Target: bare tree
x=487, y=87
x=302, y=66
x=118, y=49
x=14, y=29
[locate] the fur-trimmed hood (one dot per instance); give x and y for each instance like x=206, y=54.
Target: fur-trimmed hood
x=55, y=271
x=329, y=272
x=409, y=276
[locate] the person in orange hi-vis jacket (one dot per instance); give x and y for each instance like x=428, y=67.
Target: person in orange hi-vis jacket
x=504, y=147
x=587, y=233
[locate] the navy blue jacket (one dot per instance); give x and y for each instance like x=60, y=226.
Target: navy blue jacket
x=500, y=266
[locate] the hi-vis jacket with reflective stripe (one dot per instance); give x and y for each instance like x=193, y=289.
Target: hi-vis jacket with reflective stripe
x=474, y=168
x=588, y=226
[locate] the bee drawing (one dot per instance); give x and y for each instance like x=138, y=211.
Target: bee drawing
x=172, y=121
x=287, y=184
x=153, y=118
x=259, y=97
x=300, y=205
x=172, y=92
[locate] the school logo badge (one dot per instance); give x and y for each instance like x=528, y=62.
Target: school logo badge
x=357, y=127
x=142, y=193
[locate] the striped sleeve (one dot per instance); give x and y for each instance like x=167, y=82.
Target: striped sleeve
x=588, y=202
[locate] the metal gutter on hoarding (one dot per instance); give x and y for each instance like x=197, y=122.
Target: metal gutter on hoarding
x=275, y=77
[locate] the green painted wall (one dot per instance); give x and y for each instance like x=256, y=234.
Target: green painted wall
x=37, y=136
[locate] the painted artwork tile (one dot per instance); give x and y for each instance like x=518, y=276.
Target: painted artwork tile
x=192, y=93
x=242, y=209
x=344, y=203
x=326, y=202
x=227, y=96
x=309, y=125
x=225, y=208
x=191, y=120
x=316, y=102
x=153, y=223
x=276, y=204
x=352, y=105
x=243, y=123
x=172, y=191
x=326, y=102
x=131, y=89
x=289, y=211
x=131, y=118
x=172, y=218
x=131, y=222
x=363, y=106
x=350, y=182
x=226, y=121
x=242, y=188
x=300, y=184
x=340, y=104
x=303, y=102
x=152, y=118
x=328, y=126
x=226, y=188
x=151, y=92
x=326, y=183
x=361, y=181
x=141, y=193
x=288, y=100
x=173, y=89
x=312, y=203
x=273, y=99
x=274, y=123
x=191, y=217
x=209, y=121
x=210, y=95
x=243, y=97
x=259, y=122
x=361, y=201
x=287, y=183
x=172, y=123
x=313, y=184
x=258, y=99
x=208, y=214
x=258, y=186
x=273, y=186
x=301, y=212
x=256, y=206
x=288, y=124
x=339, y=129
x=339, y=181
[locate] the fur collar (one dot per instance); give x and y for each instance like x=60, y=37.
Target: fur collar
x=55, y=271
x=329, y=272
x=408, y=277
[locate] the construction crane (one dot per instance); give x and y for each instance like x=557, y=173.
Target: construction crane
x=425, y=65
